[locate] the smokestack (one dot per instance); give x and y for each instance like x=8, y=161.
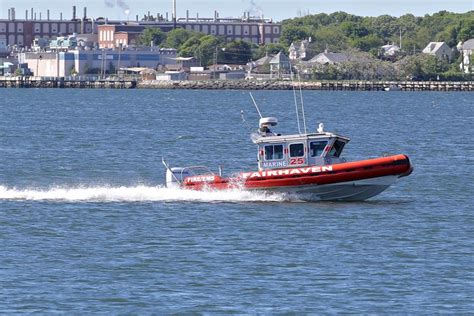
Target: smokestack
x=197, y=16
x=73, y=12
x=215, y=15
x=26, y=15
x=174, y=11
x=47, y=14
x=85, y=13
x=187, y=15
x=13, y=13
x=9, y=15
x=40, y=16
x=31, y=15
x=61, y=16
x=35, y=16
x=137, y=17
x=167, y=17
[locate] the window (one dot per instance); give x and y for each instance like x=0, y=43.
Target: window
x=336, y=148
x=273, y=152
x=317, y=148
x=296, y=150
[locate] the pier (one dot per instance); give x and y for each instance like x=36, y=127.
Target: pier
x=335, y=85
x=37, y=82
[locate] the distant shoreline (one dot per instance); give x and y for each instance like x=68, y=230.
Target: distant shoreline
x=334, y=85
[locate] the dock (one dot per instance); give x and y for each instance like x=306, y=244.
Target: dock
x=37, y=82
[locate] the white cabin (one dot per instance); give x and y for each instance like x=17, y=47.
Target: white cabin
x=277, y=151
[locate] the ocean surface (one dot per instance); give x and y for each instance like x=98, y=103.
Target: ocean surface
x=86, y=225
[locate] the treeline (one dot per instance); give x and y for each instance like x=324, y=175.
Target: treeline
x=339, y=31
x=342, y=32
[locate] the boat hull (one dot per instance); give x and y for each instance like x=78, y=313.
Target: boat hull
x=350, y=181
x=345, y=191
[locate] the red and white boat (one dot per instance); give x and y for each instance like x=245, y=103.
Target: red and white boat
x=309, y=165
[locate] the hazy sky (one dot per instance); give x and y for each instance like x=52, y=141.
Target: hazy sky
x=276, y=9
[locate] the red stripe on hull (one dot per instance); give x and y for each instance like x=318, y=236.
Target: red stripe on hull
x=398, y=165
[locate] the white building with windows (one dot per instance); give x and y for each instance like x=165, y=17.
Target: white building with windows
x=467, y=51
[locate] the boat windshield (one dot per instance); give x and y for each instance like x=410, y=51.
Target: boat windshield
x=316, y=148
x=337, y=148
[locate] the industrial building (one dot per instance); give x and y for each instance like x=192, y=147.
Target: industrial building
x=81, y=62
x=23, y=32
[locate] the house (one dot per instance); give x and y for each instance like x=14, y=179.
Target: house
x=467, y=50
x=261, y=65
x=439, y=49
x=299, y=50
x=279, y=65
x=390, y=50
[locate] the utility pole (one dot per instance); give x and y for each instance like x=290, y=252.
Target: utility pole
x=118, y=64
x=215, y=64
x=400, y=39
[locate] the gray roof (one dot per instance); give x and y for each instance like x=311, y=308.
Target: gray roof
x=468, y=45
x=280, y=58
x=264, y=60
x=333, y=58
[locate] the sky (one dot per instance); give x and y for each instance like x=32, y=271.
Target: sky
x=275, y=9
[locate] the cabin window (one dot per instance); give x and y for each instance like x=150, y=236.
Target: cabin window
x=317, y=148
x=336, y=148
x=273, y=152
x=296, y=150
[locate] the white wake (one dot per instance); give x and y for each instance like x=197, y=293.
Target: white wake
x=140, y=193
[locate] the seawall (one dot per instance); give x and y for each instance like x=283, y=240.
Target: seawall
x=25, y=82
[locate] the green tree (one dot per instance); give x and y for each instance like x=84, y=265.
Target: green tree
x=466, y=30
x=237, y=52
x=177, y=37
x=208, y=49
x=368, y=42
x=330, y=37
x=190, y=46
x=422, y=67
x=292, y=34
x=271, y=48
x=152, y=35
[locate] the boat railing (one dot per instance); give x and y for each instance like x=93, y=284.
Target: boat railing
x=197, y=171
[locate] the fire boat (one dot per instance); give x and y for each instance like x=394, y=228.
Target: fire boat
x=309, y=165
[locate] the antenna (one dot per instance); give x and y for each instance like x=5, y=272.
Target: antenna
x=296, y=103
x=255, y=103
x=302, y=104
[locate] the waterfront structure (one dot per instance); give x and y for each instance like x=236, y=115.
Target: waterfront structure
x=81, y=62
x=439, y=49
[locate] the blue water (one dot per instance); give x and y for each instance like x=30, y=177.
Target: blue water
x=86, y=225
